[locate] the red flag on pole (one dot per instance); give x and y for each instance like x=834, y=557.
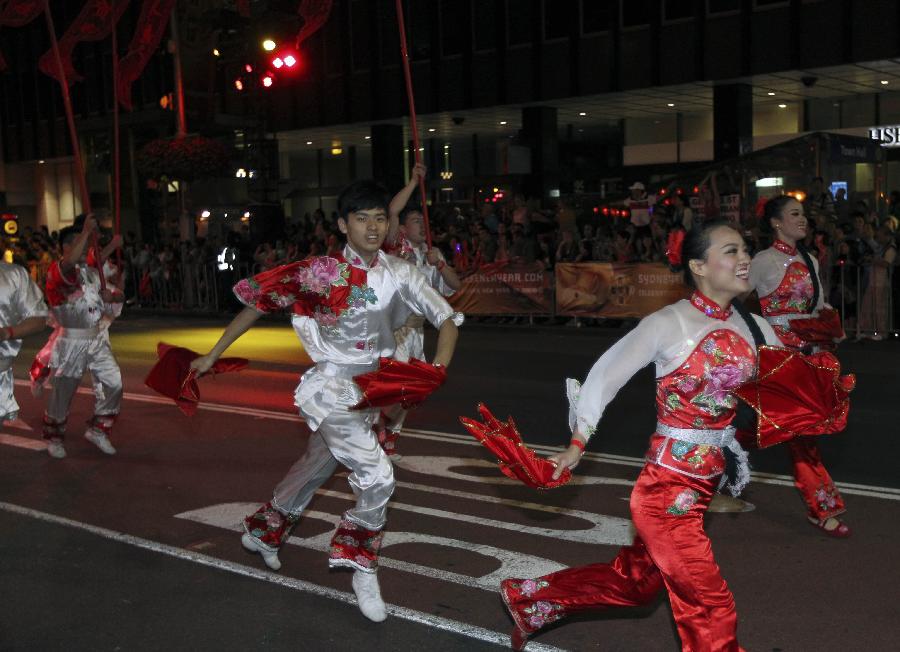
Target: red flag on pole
x=314, y=13
x=151, y=24
x=17, y=13
x=92, y=24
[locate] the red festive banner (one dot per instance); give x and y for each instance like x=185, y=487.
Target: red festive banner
x=151, y=24
x=506, y=289
x=17, y=13
x=616, y=290
x=93, y=23
x=314, y=13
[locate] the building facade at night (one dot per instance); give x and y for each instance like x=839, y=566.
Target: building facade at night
x=549, y=97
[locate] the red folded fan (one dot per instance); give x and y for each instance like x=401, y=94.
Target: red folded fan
x=404, y=383
x=823, y=329
x=797, y=395
x=517, y=461
x=172, y=375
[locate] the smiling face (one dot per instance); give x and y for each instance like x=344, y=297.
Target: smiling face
x=791, y=224
x=365, y=230
x=725, y=273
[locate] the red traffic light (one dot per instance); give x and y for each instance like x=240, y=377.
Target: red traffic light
x=290, y=61
x=268, y=80
x=277, y=62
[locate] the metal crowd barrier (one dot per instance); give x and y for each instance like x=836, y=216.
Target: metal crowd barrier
x=864, y=295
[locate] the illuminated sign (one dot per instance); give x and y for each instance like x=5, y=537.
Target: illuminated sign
x=887, y=136
x=10, y=223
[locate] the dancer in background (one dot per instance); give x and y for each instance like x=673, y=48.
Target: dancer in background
x=22, y=312
x=406, y=239
x=78, y=306
x=786, y=279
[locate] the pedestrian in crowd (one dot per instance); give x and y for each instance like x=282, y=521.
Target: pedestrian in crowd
x=841, y=205
x=22, y=312
x=640, y=205
x=567, y=250
x=685, y=461
x=819, y=199
x=710, y=203
x=874, y=312
x=786, y=279
x=78, y=304
x=681, y=213
x=406, y=238
x=344, y=310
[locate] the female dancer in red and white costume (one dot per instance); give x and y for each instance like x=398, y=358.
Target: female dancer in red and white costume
x=789, y=291
x=702, y=350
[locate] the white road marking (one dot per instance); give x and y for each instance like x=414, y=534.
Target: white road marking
x=445, y=624
x=229, y=516
x=885, y=493
x=23, y=442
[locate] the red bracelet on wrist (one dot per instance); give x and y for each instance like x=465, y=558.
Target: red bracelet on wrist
x=577, y=443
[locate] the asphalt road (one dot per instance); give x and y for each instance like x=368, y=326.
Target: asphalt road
x=140, y=551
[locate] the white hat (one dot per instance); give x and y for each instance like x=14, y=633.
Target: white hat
x=637, y=185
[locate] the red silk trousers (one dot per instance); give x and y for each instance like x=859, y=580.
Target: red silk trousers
x=671, y=549
x=812, y=479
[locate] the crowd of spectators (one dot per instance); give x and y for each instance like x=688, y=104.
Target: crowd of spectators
x=520, y=230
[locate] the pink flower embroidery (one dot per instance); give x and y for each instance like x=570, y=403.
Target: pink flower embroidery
x=722, y=380
x=683, y=502
x=246, y=291
x=536, y=621
x=361, y=346
x=543, y=607
x=528, y=587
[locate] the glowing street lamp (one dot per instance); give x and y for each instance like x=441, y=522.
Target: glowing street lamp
x=269, y=45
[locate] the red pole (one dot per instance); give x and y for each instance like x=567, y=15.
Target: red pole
x=73, y=134
x=70, y=117
x=117, y=172
x=412, y=115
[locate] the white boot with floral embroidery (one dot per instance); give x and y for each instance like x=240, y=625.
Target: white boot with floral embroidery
x=368, y=594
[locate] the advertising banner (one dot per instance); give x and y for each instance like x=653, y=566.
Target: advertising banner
x=506, y=289
x=616, y=290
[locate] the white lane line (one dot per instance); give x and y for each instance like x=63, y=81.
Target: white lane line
x=229, y=516
x=23, y=442
x=886, y=493
x=404, y=613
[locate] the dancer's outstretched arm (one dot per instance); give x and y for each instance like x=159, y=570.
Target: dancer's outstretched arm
x=238, y=326
x=446, y=343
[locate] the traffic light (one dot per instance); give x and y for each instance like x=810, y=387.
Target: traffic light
x=10, y=224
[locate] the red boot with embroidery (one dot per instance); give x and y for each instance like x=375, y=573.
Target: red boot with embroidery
x=529, y=614
x=265, y=531
x=353, y=546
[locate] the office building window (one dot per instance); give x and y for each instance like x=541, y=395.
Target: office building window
x=484, y=24
x=361, y=21
x=453, y=16
x=678, y=9
x=597, y=15
x=560, y=16
x=520, y=15
x=636, y=12
x=722, y=6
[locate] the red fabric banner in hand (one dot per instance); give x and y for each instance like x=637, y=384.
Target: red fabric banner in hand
x=172, y=375
x=797, y=395
x=821, y=330
x=517, y=461
x=404, y=383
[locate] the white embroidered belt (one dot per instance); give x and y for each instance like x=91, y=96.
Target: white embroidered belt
x=79, y=333
x=348, y=371
x=709, y=437
x=785, y=320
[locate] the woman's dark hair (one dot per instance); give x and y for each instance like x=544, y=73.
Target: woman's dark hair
x=696, y=244
x=362, y=196
x=773, y=210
